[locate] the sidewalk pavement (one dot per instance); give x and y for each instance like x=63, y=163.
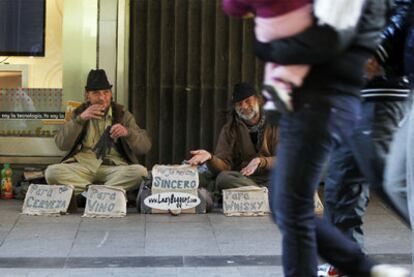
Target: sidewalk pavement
x=164, y=245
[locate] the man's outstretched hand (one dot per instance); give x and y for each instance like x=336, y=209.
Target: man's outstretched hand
x=199, y=157
x=251, y=167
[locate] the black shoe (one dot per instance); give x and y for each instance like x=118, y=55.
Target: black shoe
x=73, y=205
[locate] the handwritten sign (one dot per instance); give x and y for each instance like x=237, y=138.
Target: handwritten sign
x=172, y=201
x=105, y=201
x=246, y=201
x=174, y=178
x=47, y=199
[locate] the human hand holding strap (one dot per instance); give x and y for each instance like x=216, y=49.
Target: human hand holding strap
x=104, y=145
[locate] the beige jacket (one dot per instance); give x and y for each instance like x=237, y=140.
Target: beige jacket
x=137, y=142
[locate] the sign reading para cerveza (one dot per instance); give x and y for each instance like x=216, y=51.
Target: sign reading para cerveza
x=47, y=199
x=250, y=200
x=105, y=201
x=172, y=201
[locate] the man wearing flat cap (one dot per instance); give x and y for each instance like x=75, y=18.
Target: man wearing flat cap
x=102, y=140
x=246, y=145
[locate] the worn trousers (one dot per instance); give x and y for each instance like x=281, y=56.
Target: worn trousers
x=127, y=177
x=234, y=179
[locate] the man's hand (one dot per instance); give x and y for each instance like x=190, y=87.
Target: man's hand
x=251, y=167
x=118, y=131
x=199, y=157
x=93, y=111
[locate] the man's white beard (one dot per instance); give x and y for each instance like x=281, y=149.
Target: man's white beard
x=252, y=114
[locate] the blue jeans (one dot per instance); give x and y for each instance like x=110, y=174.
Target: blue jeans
x=306, y=138
x=399, y=172
x=346, y=191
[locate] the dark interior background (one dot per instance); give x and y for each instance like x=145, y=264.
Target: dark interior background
x=185, y=57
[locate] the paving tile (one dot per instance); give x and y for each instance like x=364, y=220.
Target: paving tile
x=128, y=223
x=36, y=248
x=208, y=272
x=27, y=231
x=41, y=219
x=181, y=247
x=265, y=271
x=180, y=239
x=145, y=272
x=124, y=262
x=182, y=218
x=108, y=244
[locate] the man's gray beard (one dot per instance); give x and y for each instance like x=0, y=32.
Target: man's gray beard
x=251, y=115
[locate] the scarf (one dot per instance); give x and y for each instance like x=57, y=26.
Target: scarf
x=259, y=129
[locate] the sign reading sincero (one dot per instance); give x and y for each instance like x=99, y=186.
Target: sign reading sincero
x=246, y=201
x=105, y=201
x=174, y=177
x=47, y=199
x=172, y=201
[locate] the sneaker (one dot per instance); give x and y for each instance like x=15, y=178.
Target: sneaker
x=327, y=270
x=385, y=270
x=277, y=99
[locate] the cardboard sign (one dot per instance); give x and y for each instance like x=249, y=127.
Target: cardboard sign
x=246, y=201
x=172, y=201
x=105, y=201
x=47, y=199
x=175, y=178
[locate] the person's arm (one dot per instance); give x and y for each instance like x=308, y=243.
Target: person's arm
x=222, y=158
x=137, y=138
x=266, y=163
x=315, y=45
x=65, y=139
x=257, y=164
x=236, y=8
x=390, y=52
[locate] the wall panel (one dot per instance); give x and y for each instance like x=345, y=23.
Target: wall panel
x=185, y=57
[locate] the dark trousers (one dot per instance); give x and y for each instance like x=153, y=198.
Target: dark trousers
x=346, y=191
x=306, y=138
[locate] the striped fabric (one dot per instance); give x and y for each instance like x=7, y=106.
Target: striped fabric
x=386, y=89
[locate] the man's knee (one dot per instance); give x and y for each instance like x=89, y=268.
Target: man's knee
x=223, y=177
x=52, y=173
x=228, y=179
x=136, y=171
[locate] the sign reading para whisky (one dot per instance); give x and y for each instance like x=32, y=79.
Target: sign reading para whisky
x=245, y=201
